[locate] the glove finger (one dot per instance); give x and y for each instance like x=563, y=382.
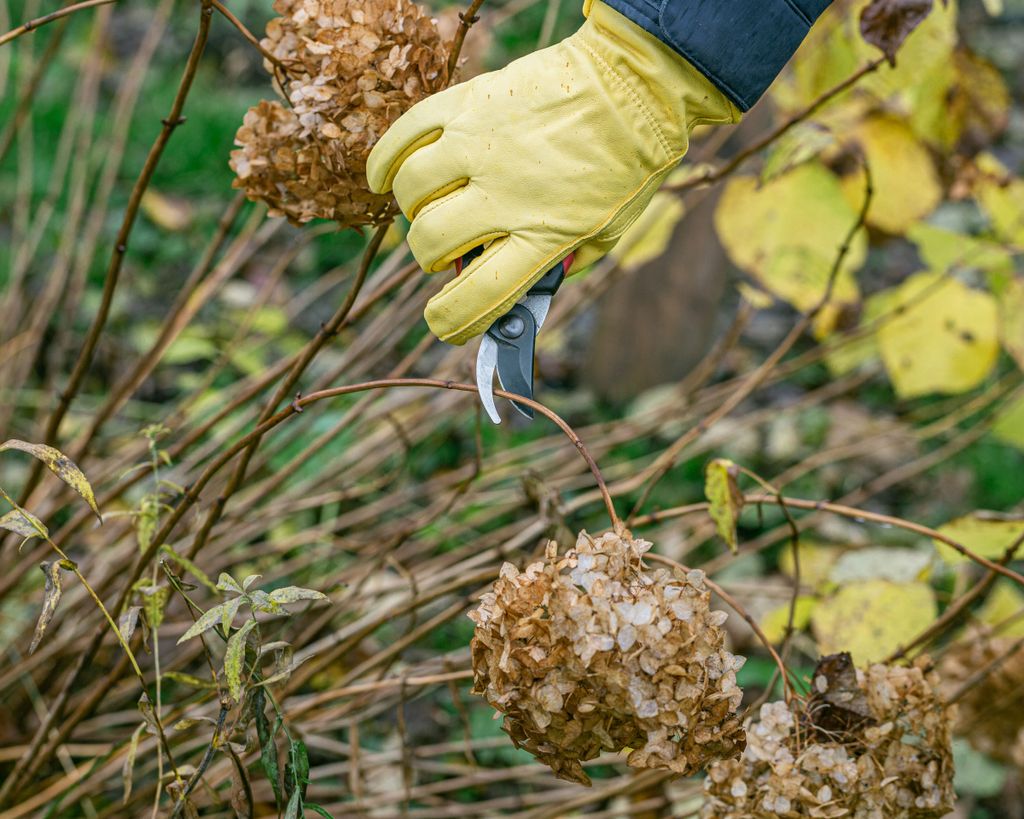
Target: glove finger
x=429, y=174
x=449, y=227
x=416, y=128
x=487, y=289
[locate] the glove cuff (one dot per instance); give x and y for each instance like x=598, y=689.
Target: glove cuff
x=678, y=95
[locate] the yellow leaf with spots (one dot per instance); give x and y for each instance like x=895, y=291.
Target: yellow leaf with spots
x=774, y=622
x=725, y=497
x=906, y=185
x=944, y=340
x=61, y=466
x=1011, y=320
x=787, y=234
x=988, y=536
x=873, y=618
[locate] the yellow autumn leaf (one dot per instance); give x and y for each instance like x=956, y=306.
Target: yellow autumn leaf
x=61, y=466
x=861, y=345
x=873, y=618
x=988, y=536
x=1011, y=319
x=774, y=622
x=648, y=237
x=906, y=185
x=172, y=213
x=787, y=234
x=816, y=562
x=947, y=250
x=1002, y=609
x=943, y=341
x=1001, y=196
x=1009, y=425
x=725, y=497
x=835, y=49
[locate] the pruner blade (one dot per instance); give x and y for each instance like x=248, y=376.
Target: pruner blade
x=507, y=348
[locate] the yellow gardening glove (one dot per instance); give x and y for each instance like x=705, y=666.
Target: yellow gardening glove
x=559, y=151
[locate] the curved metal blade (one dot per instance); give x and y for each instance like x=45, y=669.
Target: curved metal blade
x=486, y=364
x=515, y=354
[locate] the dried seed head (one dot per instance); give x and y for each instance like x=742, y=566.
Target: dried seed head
x=592, y=652
x=990, y=716
x=353, y=67
x=866, y=745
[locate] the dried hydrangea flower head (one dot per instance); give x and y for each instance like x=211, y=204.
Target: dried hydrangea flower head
x=353, y=67
x=990, y=714
x=866, y=744
x=593, y=652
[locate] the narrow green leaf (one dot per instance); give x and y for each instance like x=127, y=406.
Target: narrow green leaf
x=299, y=765
x=128, y=767
x=187, y=679
x=234, y=659
x=146, y=520
x=208, y=620
x=268, y=748
x=250, y=580
x=293, y=594
x=51, y=597
x=317, y=809
x=61, y=466
x=189, y=567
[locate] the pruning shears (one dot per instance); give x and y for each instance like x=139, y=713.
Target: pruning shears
x=508, y=345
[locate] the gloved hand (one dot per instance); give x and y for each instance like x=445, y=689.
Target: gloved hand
x=559, y=151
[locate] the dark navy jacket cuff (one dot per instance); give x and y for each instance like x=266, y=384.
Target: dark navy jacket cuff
x=740, y=45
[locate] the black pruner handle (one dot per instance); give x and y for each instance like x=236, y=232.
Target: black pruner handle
x=549, y=283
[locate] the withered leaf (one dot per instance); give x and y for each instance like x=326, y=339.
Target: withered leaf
x=23, y=523
x=50, y=599
x=837, y=705
x=885, y=24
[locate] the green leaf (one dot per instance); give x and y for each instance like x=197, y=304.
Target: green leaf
x=154, y=600
x=23, y=523
x=296, y=774
x=726, y=499
x=208, y=620
x=230, y=611
x=774, y=622
x=317, y=809
x=268, y=747
x=189, y=567
x=252, y=578
x=975, y=773
x=293, y=594
x=234, y=659
x=261, y=601
x=187, y=679
x=146, y=521
x=61, y=466
x=51, y=597
x=227, y=583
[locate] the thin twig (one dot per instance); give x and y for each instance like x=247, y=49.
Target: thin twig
x=49, y=18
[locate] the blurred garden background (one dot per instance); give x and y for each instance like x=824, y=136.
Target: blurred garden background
x=825, y=304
